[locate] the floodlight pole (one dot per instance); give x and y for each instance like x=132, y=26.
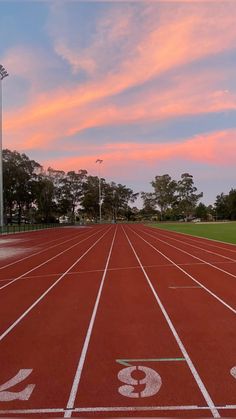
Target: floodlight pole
x=99, y=191
x=3, y=74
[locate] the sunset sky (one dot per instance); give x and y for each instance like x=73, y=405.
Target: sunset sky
x=149, y=87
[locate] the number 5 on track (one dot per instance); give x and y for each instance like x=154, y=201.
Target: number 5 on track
x=152, y=382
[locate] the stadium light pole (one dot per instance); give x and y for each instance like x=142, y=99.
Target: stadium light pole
x=3, y=74
x=99, y=161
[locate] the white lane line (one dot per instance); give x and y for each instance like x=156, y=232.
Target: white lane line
x=114, y=409
x=185, y=287
x=198, y=239
x=233, y=372
x=197, y=247
x=186, y=273
x=45, y=262
x=43, y=250
x=189, y=254
x=31, y=411
x=75, y=385
x=192, y=368
x=140, y=408
x=7, y=331
x=164, y=265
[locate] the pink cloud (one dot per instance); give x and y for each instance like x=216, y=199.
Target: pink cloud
x=190, y=95
x=216, y=149
x=179, y=38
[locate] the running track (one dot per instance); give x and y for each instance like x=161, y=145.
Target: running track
x=119, y=320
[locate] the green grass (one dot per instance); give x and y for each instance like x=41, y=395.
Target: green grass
x=225, y=231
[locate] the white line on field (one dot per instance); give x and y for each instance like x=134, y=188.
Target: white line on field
x=198, y=239
x=193, y=245
x=163, y=265
x=192, y=368
x=114, y=409
x=186, y=273
x=195, y=257
x=185, y=286
x=75, y=385
x=45, y=262
x=43, y=250
x=4, y=334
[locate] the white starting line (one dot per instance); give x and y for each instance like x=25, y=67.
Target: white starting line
x=114, y=409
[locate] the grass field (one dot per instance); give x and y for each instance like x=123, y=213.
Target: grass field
x=225, y=231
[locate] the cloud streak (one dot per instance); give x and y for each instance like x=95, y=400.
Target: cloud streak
x=179, y=39
x=125, y=68
x=215, y=149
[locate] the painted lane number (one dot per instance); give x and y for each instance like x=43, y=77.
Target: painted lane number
x=151, y=380
x=233, y=372
x=7, y=396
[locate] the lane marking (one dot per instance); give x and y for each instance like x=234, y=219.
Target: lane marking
x=151, y=380
x=43, y=250
x=146, y=408
x=45, y=262
x=192, y=237
x=7, y=331
x=114, y=409
x=198, y=247
x=75, y=384
x=168, y=265
x=185, y=287
x=186, y=273
x=6, y=396
x=127, y=361
x=180, y=344
x=194, y=257
x=233, y=372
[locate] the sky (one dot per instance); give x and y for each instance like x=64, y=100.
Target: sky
x=147, y=86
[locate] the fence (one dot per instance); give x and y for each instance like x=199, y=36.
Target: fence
x=18, y=228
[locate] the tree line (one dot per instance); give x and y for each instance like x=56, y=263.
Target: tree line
x=33, y=194
x=36, y=195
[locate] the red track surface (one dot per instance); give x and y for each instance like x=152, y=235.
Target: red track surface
x=117, y=321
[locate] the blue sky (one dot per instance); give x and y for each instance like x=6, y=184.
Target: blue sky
x=147, y=86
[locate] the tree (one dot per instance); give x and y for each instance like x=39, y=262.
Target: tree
x=116, y=200
x=222, y=207
x=201, y=211
x=19, y=175
x=164, y=192
x=90, y=199
x=45, y=199
x=187, y=195
x=232, y=204
x=149, y=205
x=71, y=192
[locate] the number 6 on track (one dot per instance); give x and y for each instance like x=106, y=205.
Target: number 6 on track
x=152, y=381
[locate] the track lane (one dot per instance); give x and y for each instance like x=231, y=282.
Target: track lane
x=27, y=242
x=20, y=266
x=50, y=337
x=130, y=325
x=195, y=249
x=217, y=280
x=206, y=327
x=221, y=258
x=210, y=244
x=15, y=300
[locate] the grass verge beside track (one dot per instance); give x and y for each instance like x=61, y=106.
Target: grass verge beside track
x=222, y=231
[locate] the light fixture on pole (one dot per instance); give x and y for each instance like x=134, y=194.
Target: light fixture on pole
x=99, y=161
x=3, y=74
